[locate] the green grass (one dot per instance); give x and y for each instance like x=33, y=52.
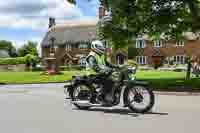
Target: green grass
x=169, y=80
x=158, y=80
x=35, y=77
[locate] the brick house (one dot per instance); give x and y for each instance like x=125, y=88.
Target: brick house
x=175, y=50
x=71, y=42
x=72, y=45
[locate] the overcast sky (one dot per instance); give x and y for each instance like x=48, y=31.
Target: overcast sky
x=22, y=20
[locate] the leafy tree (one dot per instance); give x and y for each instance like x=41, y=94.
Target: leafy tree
x=132, y=52
x=30, y=52
x=7, y=45
x=129, y=18
x=31, y=60
x=29, y=48
x=132, y=17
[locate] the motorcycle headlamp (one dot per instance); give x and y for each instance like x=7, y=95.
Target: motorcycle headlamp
x=132, y=70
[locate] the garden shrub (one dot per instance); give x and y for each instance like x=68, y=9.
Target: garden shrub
x=12, y=61
x=20, y=60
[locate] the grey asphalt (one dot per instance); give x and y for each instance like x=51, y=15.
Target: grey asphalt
x=42, y=109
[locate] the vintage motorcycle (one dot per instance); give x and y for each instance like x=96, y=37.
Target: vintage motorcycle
x=84, y=91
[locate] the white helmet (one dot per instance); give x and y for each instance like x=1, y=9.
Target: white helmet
x=98, y=47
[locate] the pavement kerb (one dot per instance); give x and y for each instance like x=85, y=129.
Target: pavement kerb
x=177, y=93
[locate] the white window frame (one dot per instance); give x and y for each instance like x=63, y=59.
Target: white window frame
x=157, y=43
x=83, y=46
x=178, y=58
x=82, y=61
x=141, y=60
x=55, y=47
x=138, y=43
x=178, y=44
x=68, y=47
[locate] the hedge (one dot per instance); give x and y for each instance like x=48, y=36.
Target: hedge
x=12, y=61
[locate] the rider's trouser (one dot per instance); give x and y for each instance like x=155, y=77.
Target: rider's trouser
x=107, y=86
x=108, y=83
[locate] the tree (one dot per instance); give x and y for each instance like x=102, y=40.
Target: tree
x=7, y=45
x=29, y=48
x=30, y=52
x=132, y=17
x=132, y=52
x=129, y=18
x=31, y=60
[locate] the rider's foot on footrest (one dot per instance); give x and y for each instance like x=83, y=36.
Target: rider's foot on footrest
x=100, y=98
x=125, y=105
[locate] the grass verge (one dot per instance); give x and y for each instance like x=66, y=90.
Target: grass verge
x=159, y=80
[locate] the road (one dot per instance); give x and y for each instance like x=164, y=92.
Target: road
x=42, y=109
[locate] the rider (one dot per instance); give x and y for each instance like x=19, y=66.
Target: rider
x=97, y=62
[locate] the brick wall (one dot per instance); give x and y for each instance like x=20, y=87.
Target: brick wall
x=61, y=51
x=19, y=67
x=169, y=49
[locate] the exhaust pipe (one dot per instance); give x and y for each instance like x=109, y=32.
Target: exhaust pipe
x=86, y=104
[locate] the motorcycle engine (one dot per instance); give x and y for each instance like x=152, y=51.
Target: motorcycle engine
x=84, y=95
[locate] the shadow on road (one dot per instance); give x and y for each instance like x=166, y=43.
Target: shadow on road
x=120, y=111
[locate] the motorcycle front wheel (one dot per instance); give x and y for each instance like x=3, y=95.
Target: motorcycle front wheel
x=139, y=99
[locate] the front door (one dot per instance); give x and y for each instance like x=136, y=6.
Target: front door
x=120, y=59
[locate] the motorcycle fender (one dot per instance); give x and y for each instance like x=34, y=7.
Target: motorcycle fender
x=138, y=83
x=131, y=84
x=69, y=88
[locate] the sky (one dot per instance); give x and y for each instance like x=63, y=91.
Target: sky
x=23, y=20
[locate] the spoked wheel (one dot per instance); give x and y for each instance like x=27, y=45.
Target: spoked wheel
x=81, y=93
x=139, y=99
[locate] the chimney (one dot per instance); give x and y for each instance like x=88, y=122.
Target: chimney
x=102, y=11
x=52, y=22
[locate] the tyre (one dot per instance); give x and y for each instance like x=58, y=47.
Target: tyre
x=136, y=96
x=81, y=92
x=65, y=92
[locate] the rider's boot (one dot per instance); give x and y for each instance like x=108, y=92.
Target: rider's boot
x=104, y=99
x=100, y=97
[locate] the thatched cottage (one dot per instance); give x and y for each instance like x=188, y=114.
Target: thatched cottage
x=71, y=43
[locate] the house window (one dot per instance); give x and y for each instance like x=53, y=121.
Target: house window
x=140, y=43
x=82, y=61
x=157, y=43
x=179, y=59
x=179, y=43
x=55, y=47
x=141, y=59
x=83, y=46
x=68, y=47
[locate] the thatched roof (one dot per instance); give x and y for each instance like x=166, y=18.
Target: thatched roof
x=71, y=32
